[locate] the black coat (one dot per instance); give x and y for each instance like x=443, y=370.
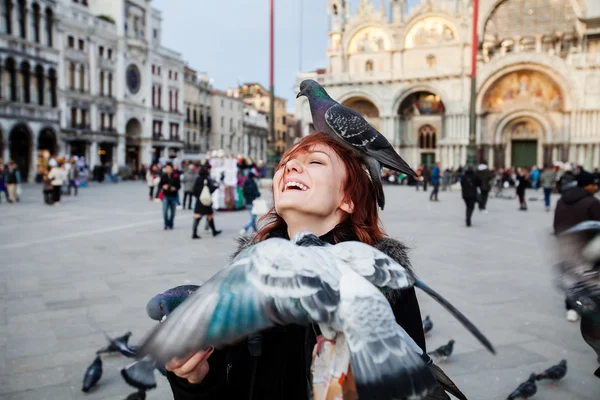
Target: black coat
x=251, y=191
x=172, y=181
x=282, y=370
x=575, y=205
x=469, y=184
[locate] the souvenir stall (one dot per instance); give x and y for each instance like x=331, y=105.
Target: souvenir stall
x=228, y=197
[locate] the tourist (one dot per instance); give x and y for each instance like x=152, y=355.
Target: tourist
x=435, y=182
x=73, y=177
x=115, y=172
x=338, y=207
x=534, y=176
x=447, y=180
x=251, y=193
x=523, y=182
x=189, y=178
x=547, y=179
x=484, y=175
x=12, y=181
x=426, y=175
x=47, y=189
x=577, y=204
x=57, y=178
x=169, y=184
x=469, y=184
x=203, y=189
x=2, y=183
x=152, y=180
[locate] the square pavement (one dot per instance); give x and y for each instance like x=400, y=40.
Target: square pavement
x=74, y=271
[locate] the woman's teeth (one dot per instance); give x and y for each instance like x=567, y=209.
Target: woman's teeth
x=295, y=185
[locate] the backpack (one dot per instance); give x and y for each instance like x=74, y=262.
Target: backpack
x=205, y=197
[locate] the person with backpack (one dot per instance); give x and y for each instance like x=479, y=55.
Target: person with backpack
x=203, y=190
x=251, y=192
x=469, y=184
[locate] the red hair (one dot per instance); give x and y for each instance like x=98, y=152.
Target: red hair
x=364, y=221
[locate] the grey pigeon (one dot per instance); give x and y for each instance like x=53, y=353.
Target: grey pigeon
x=427, y=325
x=277, y=282
x=161, y=305
x=555, y=372
x=140, y=374
x=351, y=128
x=444, y=351
x=139, y=395
x=117, y=345
x=525, y=390
x=92, y=375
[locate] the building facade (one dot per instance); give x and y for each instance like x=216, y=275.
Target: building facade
x=408, y=73
x=198, y=119
x=256, y=132
x=227, y=122
x=256, y=96
x=29, y=74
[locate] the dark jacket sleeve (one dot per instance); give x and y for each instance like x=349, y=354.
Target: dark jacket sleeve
x=408, y=316
x=213, y=387
x=198, y=184
x=595, y=210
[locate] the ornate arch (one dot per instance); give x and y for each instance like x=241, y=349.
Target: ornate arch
x=402, y=94
x=360, y=93
x=513, y=116
x=367, y=27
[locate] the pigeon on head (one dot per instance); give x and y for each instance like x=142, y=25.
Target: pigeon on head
x=351, y=128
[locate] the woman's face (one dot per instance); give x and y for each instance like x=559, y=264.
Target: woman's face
x=311, y=183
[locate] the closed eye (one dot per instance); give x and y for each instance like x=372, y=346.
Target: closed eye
x=316, y=162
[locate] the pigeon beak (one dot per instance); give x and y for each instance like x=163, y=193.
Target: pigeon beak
x=299, y=94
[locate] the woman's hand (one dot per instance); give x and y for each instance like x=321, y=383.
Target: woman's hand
x=193, y=368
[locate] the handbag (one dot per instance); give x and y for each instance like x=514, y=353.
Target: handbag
x=259, y=207
x=205, y=197
x=161, y=195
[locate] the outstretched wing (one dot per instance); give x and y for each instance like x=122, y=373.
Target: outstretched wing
x=386, y=362
x=275, y=282
x=377, y=267
x=356, y=131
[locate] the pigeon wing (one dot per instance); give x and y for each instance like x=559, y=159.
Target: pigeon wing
x=377, y=267
x=350, y=126
x=386, y=362
x=275, y=282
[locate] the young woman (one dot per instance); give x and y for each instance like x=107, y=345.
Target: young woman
x=523, y=179
x=201, y=210
x=322, y=187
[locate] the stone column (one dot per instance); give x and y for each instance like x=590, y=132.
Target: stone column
x=596, y=162
x=490, y=157
x=146, y=149
x=93, y=155
x=5, y=155
x=538, y=43
x=120, y=156
x=33, y=161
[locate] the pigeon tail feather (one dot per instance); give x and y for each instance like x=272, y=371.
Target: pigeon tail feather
x=140, y=374
x=457, y=314
x=446, y=383
x=597, y=373
x=390, y=159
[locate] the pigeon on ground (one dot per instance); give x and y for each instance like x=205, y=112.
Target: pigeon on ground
x=525, y=390
x=139, y=395
x=445, y=351
x=119, y=345
x=351, y=128
x=161, y=305
x=555, y=372
x=93, y=373
x=140, y=374
x=427, y=325
x=277, y=282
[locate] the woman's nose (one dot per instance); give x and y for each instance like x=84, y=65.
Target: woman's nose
x=293, y=165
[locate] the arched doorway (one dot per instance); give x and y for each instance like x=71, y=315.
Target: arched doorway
x=427, y=144
x=366, y=108
x=522, y=138
x=47, y=141
x=133, y=134
x=19, y=145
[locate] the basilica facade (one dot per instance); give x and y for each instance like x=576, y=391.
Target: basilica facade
x=408, y=73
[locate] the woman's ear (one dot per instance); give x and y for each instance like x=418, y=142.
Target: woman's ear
x=347, y=206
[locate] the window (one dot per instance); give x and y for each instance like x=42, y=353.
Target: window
x=369, y=66
x=72, y=76
x=176, y=108
x=36, y=22
x=170, y=100
x=110, y=84
x=73, y=117
x=170, y=74
x=153, y=96
x=155, y=33
x=39, y=73
x=49, y=26
x=158, y=73
x=187, y=137
x=110, y=54
x=431, y=61
x=101, y=51
x=188, y=115
x=222, y=103
x=101, y=83
x=81, y=45
x=71, y=41
x=159, y=97
x=283, y=120
x=230, y=124
x=175, y=75
x=153, y=69
x=195, y=119
x=84, y=2
x=110, y=121
x=83, y=118
x=222, y=124
x=82, y=78
x=102, y=115
x=26, y=72
x=22, y=18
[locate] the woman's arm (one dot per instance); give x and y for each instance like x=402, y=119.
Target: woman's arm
x=213, y=386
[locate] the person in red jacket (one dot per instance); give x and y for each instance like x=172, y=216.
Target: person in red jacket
x=577, y=204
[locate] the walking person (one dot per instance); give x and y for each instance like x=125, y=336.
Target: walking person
x=484, y=176
x=169, y=184
x=2, y=183
x=13, y=180
x=523, y=181
x=547, y=180
x=469, y=184
x=576, y=204
x=189, y=178
x=57, y=178
x=115, y=173
x=251, y=193
x=426, y=175
x=203, y=190
x=152, y=181
x=435, y=182
x=447, y=180
x=534, y=177
x=73, y=177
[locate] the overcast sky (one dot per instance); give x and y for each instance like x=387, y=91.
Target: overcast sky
x=229, y=40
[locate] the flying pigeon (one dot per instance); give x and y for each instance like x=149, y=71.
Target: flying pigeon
x=117, y=345
x=555, y=372
x=525, y=389
x=140, y=374
x=277, y=282
x=351, y=128
x=427, y=325
x=139, y=395
x=444, y=351
x=93, y=373
x=161, y=305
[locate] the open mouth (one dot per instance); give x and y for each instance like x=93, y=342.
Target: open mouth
x=293, y=185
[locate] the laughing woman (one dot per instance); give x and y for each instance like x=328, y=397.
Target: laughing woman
x=322, y=187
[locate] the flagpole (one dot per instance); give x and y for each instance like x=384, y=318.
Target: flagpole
x=472, y=147
x=271, y=138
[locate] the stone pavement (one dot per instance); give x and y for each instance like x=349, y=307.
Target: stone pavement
x=71, y=272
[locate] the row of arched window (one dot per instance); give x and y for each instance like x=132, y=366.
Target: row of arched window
x=427, y=137
x=194, y=120
x=22, y=83
x=27, y=20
